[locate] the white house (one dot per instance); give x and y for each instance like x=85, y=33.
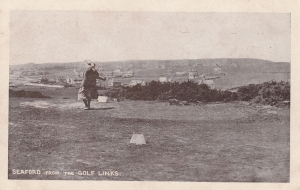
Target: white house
x=208, y=82
x=180, y=73
x=192, y=75
x=117, y=73
x=164, y=79
x=113, y=83
x=129, y=73
x=107, y=73
x=138, y=81
x=217, y=70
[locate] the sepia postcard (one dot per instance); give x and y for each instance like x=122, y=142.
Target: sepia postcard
x=150, y=98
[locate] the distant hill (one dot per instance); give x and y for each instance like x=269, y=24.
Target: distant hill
x=255, y=64
x=238, y=71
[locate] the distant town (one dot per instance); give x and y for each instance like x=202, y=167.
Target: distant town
x=114, y=77
x=216, y=73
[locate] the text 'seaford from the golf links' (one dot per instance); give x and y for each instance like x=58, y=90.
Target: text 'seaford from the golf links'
x=109, y=173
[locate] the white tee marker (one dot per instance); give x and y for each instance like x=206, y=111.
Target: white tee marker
x=138, y=139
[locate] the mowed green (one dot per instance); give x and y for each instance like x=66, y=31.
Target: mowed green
x=214, y=142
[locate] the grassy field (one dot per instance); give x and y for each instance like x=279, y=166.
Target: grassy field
x=230, y=142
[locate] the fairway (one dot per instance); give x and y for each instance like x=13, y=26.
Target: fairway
x=230, y=142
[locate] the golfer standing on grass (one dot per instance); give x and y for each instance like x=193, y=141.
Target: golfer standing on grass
x=88, y=88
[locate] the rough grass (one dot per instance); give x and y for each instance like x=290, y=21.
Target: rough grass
x=214, y=142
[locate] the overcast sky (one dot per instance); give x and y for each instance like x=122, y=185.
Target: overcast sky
x=73, y=36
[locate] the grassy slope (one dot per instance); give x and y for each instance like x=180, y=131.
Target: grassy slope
x=224, y=142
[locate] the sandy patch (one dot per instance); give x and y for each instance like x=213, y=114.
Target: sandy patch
x=69, y=104
x=37, y=104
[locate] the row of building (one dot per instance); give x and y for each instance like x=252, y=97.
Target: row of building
x=42, y=77
x=109, y=73
x=202, y=80
x=114, y=83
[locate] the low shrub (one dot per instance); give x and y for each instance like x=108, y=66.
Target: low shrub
x=271, y=93
x=189, y=91
x=26, y=94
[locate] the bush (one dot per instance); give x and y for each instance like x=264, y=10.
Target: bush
x=26, y=94
x=189, y=91
x=270, y=93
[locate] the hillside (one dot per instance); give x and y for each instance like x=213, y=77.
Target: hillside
x=233, y=72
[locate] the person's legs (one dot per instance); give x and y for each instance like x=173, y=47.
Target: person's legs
x=93, y=94
x=85, y=101
x=82, y=94
x=88, y=98
x=89, y=103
